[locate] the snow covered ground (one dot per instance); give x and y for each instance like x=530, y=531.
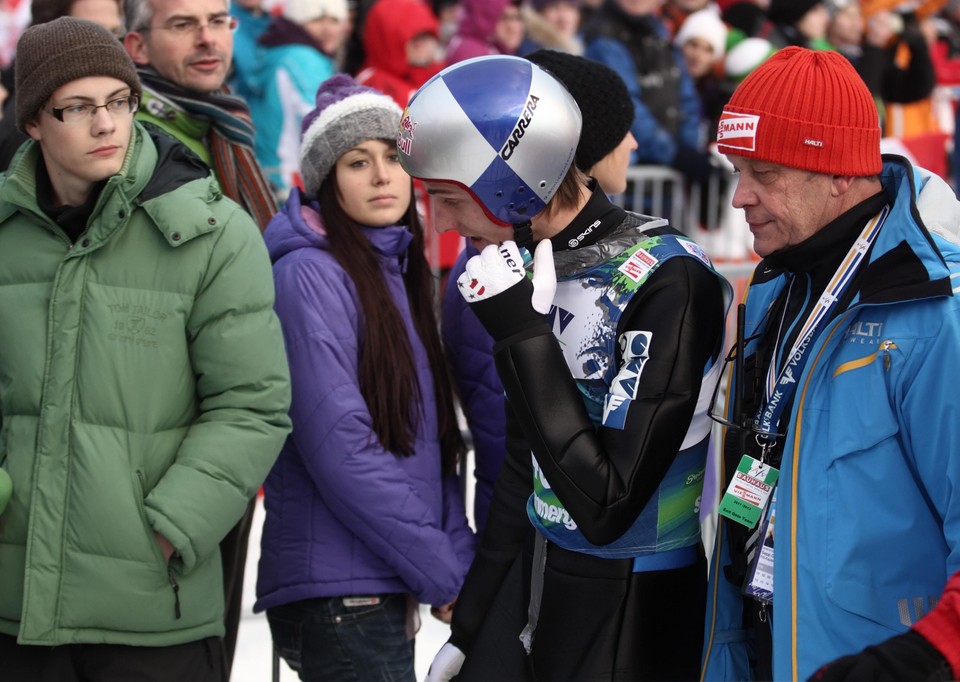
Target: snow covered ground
x=254, y=657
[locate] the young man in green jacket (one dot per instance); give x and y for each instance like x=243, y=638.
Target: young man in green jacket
x=143, y=384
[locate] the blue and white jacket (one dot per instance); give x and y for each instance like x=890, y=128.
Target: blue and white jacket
x=868, y=515
x=282, y=91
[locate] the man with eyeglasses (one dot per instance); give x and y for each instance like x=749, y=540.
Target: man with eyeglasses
x=183, y=50
x=107, y=13
x=143, y=385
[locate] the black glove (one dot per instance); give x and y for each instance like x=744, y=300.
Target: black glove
x=905, y=658
x=695, y=165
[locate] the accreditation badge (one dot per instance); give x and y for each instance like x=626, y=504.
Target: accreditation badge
x=748, y=492
x=759, y=582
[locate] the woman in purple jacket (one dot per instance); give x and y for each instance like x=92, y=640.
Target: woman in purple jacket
x=364, y=515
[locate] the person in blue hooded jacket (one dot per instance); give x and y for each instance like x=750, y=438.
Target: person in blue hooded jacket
x=364, y=516
x=848, y=352
x=296, y=52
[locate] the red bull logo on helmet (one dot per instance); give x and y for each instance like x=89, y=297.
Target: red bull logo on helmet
x=405, y=134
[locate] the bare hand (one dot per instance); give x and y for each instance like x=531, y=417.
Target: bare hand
x=165, y=547
x=443, y=613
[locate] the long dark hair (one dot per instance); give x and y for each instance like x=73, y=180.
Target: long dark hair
x=388, y=376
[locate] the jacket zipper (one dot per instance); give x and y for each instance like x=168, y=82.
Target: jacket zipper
x=886, y=347
x=176, y=592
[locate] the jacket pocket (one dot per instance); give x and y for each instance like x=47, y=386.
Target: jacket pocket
x=139, y=494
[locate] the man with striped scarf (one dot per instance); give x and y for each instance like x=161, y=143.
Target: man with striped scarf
x=183, y=51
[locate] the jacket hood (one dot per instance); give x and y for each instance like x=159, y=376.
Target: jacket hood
x=298, y=226
x=289, y=229
x=388, y=27
x=176, y=165
x=905, y=262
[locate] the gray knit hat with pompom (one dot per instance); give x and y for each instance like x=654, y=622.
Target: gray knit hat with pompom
x=346, y=114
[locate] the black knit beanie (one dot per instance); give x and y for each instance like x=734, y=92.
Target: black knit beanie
x=602, y=97
x=789, y=12
x=63, y=50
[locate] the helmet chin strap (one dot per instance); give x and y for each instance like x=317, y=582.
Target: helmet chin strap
x=523, y=234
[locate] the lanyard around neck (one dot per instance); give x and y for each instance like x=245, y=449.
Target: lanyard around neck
x=778, y=388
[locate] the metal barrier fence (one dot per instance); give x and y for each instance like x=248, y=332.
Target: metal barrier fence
x=705, y=212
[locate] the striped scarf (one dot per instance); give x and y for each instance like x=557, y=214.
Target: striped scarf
x=231, y=142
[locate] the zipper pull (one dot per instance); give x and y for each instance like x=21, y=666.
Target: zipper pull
x=886, y=346
x=176, y=592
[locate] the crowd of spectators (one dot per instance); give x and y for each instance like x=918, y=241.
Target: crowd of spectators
x=680, y=59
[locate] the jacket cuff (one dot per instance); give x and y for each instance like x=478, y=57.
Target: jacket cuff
x=941, y=627
x=510, y=312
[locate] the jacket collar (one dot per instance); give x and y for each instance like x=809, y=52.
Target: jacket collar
x=904, y=262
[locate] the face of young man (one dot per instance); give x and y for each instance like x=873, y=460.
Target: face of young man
x=783, y=206
x=197, y=58
x=454, y=208
x=372, y=187
x=79, y=155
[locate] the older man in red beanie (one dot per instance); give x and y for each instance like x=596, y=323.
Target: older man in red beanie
x=842, y=441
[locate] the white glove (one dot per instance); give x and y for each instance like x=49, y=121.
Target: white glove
x=499, y=267
x=447, y=663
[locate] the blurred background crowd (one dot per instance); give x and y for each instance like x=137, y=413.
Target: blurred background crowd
x=680, y=60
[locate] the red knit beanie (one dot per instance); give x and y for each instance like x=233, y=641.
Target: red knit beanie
x=804, y=109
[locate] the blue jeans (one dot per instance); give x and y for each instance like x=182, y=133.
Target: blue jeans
x=324, y=639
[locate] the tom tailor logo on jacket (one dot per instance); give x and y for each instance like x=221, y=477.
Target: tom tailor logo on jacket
x=135, y=324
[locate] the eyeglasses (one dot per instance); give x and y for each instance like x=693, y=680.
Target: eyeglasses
x=192, y=27
x=741, y=421
x=78, y=113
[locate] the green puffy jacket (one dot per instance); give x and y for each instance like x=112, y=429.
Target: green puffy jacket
x=143, y=387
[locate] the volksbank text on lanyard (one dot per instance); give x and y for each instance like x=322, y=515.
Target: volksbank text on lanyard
x=779, y=388
x=746, y=497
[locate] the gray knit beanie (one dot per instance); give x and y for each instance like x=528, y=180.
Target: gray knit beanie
x=53, y=54
x=346, y=114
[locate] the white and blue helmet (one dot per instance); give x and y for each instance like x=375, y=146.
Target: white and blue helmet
x=499, y=126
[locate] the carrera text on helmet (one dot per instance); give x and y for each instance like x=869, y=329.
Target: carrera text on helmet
x=526, y=117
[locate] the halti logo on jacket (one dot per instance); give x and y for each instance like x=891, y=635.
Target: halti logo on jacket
x=865, y=332
x=738, y=131
x=518, y=131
